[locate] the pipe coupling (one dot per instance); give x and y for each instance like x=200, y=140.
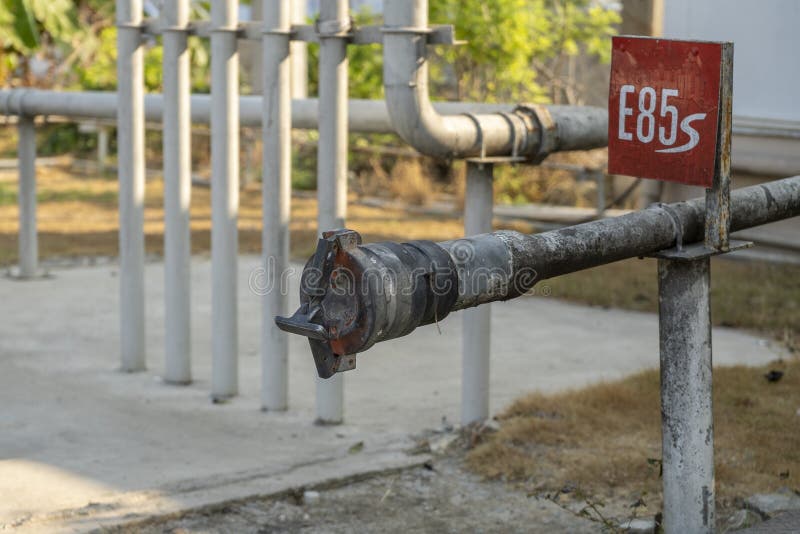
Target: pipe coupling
x=546, y=127
x=353, y=296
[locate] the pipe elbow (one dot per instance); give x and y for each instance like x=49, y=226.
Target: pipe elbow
x=418, y=124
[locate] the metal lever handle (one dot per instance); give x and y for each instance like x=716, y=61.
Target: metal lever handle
x=300, y=323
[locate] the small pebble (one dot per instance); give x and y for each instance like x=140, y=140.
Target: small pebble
x=310, y=497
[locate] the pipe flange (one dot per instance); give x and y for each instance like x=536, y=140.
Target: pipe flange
x=548, y=130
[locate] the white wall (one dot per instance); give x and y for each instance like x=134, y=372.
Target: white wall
x=766, y=37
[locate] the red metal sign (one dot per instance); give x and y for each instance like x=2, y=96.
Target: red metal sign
x=663, y=109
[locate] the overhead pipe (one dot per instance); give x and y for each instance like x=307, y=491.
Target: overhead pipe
x=354, y=295
x=527, y=132
x=368, y=116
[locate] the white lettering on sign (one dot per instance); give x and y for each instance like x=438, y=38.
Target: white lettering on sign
x=646, y=119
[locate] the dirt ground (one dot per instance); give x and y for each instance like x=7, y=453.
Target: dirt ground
x=440, y=498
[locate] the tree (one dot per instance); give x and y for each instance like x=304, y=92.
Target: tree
x=519, y=50
x=72, y=44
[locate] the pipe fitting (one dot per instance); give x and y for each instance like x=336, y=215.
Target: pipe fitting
x=353, y=296
x=530, y=132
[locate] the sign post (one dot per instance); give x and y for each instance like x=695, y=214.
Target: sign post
x=670, y=119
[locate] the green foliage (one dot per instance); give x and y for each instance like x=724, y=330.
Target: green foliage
x=77, y=39
x=23, y=24
x=512, y=43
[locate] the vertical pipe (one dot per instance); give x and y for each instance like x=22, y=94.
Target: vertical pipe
x=476, y=336
x=177, y=194
x=102, y=147
x=251, y=53
x=28, y=239
x=224, y=198
x=600, y=180
x=130, y=155
x=299, y=53
x=686, y=418
x=332, y=160
x=276, y=199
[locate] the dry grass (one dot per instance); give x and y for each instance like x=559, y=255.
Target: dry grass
x=410, y=183
x=757, y=296
x=77, y=216
x=605, y=440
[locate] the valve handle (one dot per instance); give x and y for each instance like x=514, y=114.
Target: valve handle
x=307, y=320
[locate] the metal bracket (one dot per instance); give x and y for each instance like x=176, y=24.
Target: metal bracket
x=674, y=219
x=327, y=29
x=699, y=251
x=437, y=34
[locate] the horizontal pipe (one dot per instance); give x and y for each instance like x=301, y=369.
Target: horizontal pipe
x=426, y=281
x=369, y=116
x=536, y=257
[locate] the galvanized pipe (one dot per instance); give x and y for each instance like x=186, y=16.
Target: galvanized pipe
x=224, y=199
x=177, y=194
x=368, y=116
x=276, y=201
x=334, y=23
x=529, y=132
x=102, y=147
x=130, y=157
x=687, y=422
x=28, y=239
x=476, y=329
x=298, y=52
x=524, y=260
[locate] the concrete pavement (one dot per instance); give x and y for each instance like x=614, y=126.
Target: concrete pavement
x=83, y=445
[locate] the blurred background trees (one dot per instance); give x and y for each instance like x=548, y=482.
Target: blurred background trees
x=513, y=51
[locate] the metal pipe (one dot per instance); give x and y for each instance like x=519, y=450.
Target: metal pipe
x=299, y=53
x=102, y=147
x=130, y=156
x=477, y=322
x=429, y=280
x=368, y=116
x=334, y=23
x=224, y=199
x=529, y=132
x=276, y=201
x=687, y=423
x=28, y=239
x=177, y=194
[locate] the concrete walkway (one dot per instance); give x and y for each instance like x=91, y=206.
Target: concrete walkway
x=83, y=445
